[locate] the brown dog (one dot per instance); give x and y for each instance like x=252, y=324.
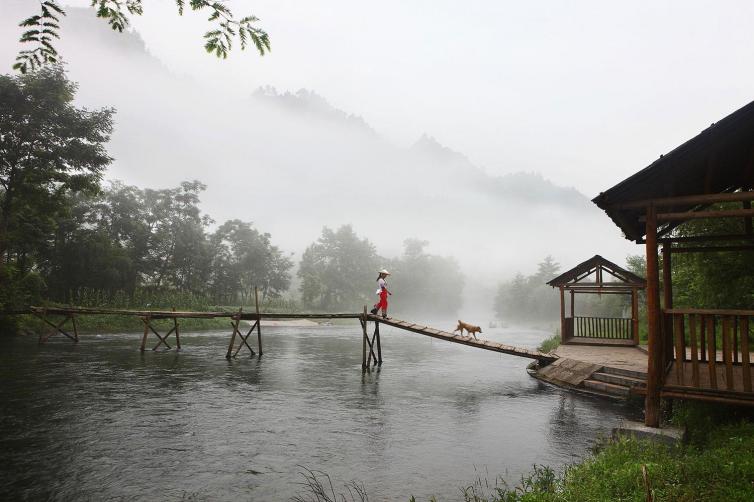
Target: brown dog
x=471, y=329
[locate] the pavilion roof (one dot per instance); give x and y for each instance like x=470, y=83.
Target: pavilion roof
x=720, y=159
x=586, y=268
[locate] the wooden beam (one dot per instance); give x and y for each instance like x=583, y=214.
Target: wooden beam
x=719, y=312
x=684, y=200
x=712, y=249
x=700, y=215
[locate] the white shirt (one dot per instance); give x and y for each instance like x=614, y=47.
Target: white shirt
x=381, y=284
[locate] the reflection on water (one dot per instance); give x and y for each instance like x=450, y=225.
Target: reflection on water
x=100, y=420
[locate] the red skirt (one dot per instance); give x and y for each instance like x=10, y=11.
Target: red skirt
x=382, y=304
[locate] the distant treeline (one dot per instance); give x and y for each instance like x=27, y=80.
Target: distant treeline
x=66, y=237
x=530, y=299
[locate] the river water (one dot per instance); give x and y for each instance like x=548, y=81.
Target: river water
x=99, y=420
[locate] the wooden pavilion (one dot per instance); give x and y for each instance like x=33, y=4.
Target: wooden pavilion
x=598, y=276
x=694, y=353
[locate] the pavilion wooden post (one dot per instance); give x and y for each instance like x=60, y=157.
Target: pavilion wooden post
x=573, y=297
x=562, y=316
x=259, y=320
x=655, y=366
x=667, y=302
x=635, y=315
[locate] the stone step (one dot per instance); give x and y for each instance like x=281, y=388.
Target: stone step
x=627, y=373
x=626, y=381
x=606, y=388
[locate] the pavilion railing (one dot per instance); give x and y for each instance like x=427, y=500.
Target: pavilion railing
x=619, y=328
x=709, y=349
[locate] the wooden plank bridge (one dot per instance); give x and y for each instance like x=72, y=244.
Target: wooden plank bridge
x=371, y=346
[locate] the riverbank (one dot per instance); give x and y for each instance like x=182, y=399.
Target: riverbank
x=717, y=464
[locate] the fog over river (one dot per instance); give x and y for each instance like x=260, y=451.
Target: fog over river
x=101, y=421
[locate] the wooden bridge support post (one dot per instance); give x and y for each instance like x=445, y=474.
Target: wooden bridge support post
x=177, y=334
x=259, y=321
x=655, y=366
x=379, y=347
x=145, y=320
x=235, y=320
x=364, y=340
x=58, y=328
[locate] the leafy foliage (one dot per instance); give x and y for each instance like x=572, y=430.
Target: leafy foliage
x=49, y=150
x=530, y=299
x=44, y=27
x=426, y=285
x=335, y=268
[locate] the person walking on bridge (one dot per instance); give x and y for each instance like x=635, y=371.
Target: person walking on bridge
x=383, y=292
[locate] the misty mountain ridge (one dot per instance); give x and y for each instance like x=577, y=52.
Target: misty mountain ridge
x=291, y=162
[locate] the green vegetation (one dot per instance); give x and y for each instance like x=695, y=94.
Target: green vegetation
x=335, y=268
x=43, y=29
x=550, y=344
x=529, y=299
x=716, y=465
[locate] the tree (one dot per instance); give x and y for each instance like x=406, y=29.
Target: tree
x=530, y=298
x=426, y=284
x=244, y=258
x=43, y=28
x=338, y=271
x=48, y=149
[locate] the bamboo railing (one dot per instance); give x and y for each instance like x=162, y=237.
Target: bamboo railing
x=620, y=328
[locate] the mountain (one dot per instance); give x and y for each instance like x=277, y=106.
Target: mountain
x=291, y=162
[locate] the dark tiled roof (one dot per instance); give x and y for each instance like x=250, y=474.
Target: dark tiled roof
x=720, y=159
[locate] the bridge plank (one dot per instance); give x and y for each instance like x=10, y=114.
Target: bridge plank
x=464, y=340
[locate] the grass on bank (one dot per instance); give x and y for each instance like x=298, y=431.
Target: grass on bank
x=549, y=344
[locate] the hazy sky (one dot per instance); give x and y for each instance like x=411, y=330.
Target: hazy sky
x=584, y=92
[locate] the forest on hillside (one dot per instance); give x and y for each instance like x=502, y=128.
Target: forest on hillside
x=67, y=236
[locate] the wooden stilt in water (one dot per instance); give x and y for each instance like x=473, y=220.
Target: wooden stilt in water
x=145, y=320
x=379, y=347
x=177, y=334
x=234, y=322
x=259, y=322
x=371, y=349
x=364, y=340
x=57, y=328
x=244, y=339
x=75, y=328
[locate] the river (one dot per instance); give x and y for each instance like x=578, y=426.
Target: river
x=99, y=420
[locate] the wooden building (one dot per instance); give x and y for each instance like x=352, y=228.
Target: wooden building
x=598, y=276
x=694, y=353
